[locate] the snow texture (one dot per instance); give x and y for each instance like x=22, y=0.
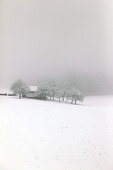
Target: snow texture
x=43, y=135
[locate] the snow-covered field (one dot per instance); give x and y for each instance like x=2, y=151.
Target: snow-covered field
x=40, y=135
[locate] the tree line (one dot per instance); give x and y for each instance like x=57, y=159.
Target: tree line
x=49, y=90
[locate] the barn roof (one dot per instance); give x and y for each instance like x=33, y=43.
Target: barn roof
x=33, y=88
x=4, y=91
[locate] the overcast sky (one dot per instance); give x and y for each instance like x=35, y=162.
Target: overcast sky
x=42, y=38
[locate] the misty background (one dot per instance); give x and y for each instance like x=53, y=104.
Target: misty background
x=57, y=38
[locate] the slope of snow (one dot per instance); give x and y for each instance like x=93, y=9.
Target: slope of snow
x=40, y=135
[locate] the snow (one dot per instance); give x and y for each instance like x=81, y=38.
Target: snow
x=42, y=135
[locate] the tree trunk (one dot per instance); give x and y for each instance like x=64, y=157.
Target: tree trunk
x=67, y=100
x=59, y=100
x=20, y=96
x=53, y=98
x=75, y=102
x=72, y=102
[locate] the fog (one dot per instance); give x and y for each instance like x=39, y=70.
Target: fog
x=57, y=38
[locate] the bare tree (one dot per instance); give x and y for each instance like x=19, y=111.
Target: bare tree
x=59, y=94
x=20, y=88
x=52, y=88
x=74, y=95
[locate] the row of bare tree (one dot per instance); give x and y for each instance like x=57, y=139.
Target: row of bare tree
x=49, y=90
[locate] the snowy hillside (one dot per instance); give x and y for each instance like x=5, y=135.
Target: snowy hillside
x=42, y=135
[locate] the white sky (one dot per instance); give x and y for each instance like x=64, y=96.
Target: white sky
x=49, y=37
